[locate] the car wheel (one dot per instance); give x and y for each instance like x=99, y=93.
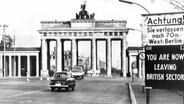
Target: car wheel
x=59, y=89
x=67, y=89
x=73, y=88
x=52, y=89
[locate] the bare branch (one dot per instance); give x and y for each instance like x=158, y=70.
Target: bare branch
x=178, y=4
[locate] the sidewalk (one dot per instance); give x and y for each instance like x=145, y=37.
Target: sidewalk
x=157, y=96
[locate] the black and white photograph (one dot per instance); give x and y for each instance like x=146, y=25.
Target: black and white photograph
x=92, y=51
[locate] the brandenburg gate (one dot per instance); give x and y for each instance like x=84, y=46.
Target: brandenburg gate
x=84, y=27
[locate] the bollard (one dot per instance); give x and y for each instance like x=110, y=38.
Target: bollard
x=148, y=95
x=143, y=88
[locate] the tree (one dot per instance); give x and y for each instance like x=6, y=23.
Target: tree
x=178, y=4
x=8, y=41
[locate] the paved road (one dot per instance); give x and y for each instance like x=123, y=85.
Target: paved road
x=87, y=91
x=157, y=96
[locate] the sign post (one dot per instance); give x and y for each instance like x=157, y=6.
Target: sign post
x=163, y=38
x=148, y=95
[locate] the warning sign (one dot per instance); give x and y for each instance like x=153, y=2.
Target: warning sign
x=164, y=67
x=163, y=29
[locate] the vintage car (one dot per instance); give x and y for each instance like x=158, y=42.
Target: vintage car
x=62, y=80
x=77, y=72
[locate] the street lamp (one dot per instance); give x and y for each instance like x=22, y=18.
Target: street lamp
x=129, y=2
x=4, y=36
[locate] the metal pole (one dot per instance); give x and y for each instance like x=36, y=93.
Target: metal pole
x=132, y=75
x=148, y=95
x=4, y=36
x=4, y=69
x=141, y=6
x=130, y=2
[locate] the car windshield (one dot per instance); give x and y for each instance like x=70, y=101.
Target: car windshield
x=60, y=75
x=76, y=69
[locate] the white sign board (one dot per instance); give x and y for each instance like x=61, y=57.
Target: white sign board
x=163, y=29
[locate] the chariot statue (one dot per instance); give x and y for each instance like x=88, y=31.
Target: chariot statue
x=83, y=14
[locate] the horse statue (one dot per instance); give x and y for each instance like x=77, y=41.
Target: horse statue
x=83, y=14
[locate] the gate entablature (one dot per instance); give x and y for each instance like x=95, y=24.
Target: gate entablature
x=83, y=34
x=83, y=23
x=83, y=29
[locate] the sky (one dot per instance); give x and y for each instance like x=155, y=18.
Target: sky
x=23, y=16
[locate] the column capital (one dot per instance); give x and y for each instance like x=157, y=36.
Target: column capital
x=93, y=39
x=124, y=35
x=43, y=39
x=58, y=39
x=37, y=55
x=109, y=39
x=74, y=39
x=28, y=55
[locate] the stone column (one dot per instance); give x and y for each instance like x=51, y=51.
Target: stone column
x=62, y=54
x=28, y=66
x=77, y=53
x=123, y=57
x=37, y=66
x=10, y=66
x=19, y=66
x=94, y=57
x=58, y=55
x=14, y=66
x=74, y=52
x=109, y=58
x=44, y=71
x=48, y=56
